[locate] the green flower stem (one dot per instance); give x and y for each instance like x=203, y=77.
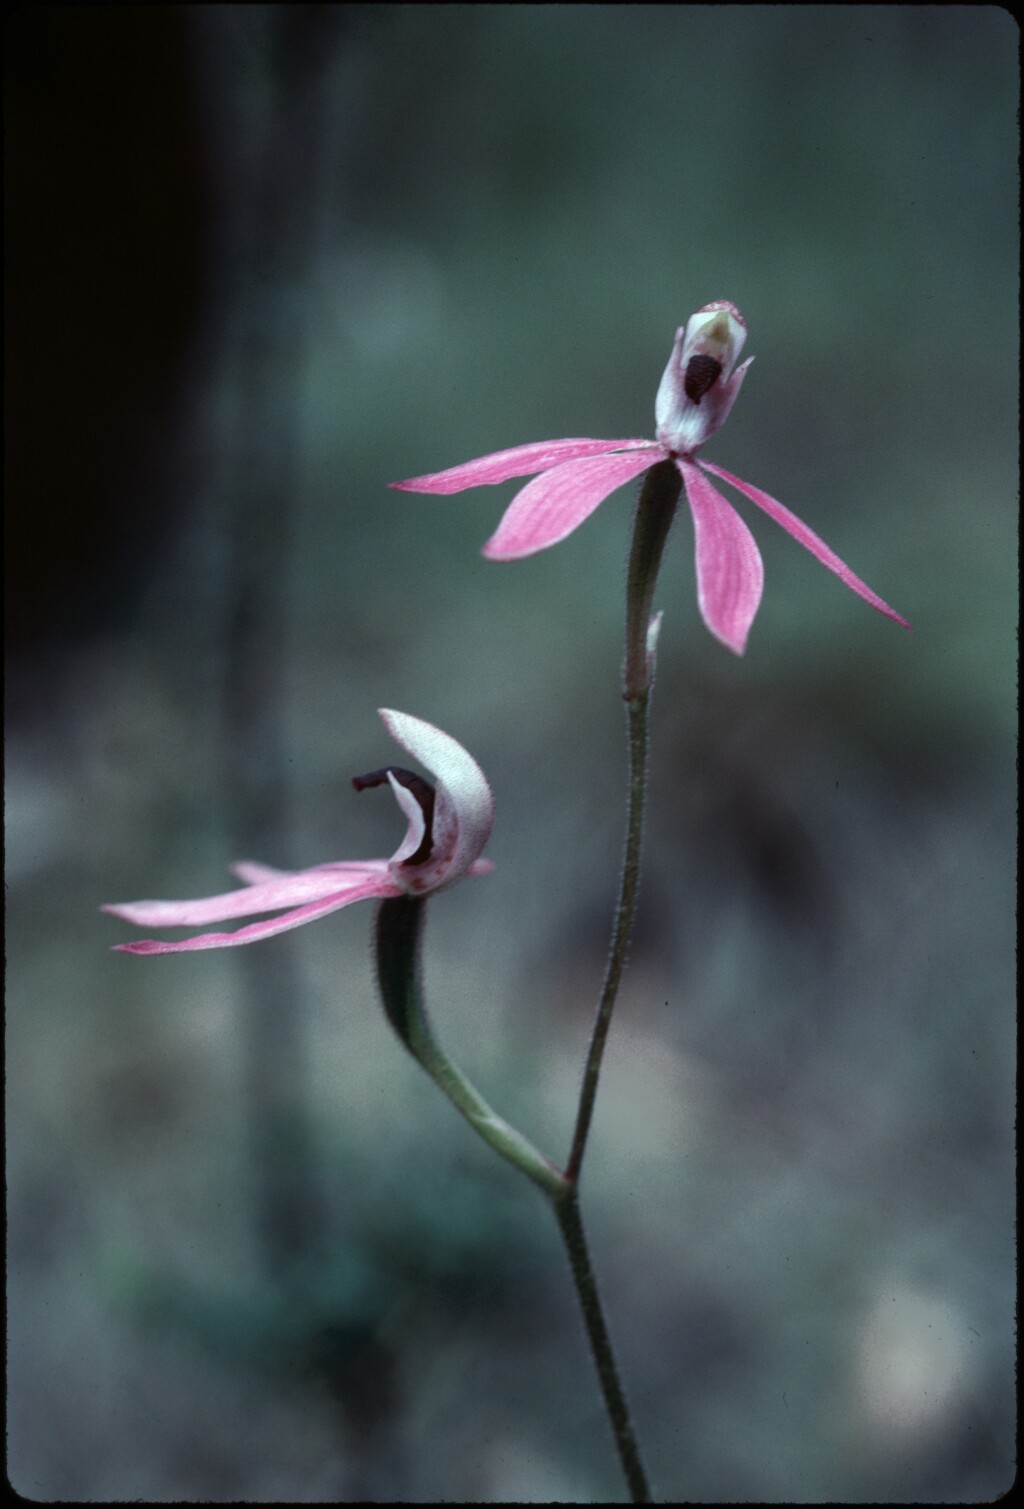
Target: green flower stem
x=654, y=514
x=399, y=934
x=567, y=1210
x=655, y=510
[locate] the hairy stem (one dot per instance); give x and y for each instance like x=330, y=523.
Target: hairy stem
x=571, y=1226
x=399, y=936
x=654, y=513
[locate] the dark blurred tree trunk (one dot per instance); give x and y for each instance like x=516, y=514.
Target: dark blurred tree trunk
x=104, y=250
x=267, y=74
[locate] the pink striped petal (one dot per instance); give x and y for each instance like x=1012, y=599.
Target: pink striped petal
x=557, y=502
x=730, y=575
x=808, y=539
x=264, y=896
x=520, y=461
x=373, y=886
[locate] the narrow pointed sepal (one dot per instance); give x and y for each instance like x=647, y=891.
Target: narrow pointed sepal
x=373, y=886
x=730, y=573
x=518, y=461
x=808, y=539
x=272, y=893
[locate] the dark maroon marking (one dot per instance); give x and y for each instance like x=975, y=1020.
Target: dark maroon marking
x=702, y=372
x=421, y=790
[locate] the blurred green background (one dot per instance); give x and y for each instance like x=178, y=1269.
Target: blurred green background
x=261, y=261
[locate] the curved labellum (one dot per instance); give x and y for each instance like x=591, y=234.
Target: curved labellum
x=463, y=813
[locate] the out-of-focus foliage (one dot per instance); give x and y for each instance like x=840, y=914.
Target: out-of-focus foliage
x=263, y=260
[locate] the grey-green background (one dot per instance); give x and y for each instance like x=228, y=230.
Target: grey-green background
x=265, y=260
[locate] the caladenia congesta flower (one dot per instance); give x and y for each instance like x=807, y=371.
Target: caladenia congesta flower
x=448, y=827
x=447, y=830
x=697, y=391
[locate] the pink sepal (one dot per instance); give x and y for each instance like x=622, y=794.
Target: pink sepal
x=373, y=886
x=808, y=539
x=269, y=895
x=520, y=461
x=557, y=502
x=254, y=873
x=730, y=574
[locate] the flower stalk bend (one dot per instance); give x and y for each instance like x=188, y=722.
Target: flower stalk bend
x=398, y=935
x=398, y=941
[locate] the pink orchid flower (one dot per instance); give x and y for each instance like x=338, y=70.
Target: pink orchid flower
x=700, y=386
x=447, y=830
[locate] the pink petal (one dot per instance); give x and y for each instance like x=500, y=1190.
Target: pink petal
x=375, y=885
x=520, y=461
x=557, y=502
x=264, y=896
x=810, y=541
x=730, y=575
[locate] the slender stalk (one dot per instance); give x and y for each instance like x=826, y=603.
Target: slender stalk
x=399, y=935
x=654, y=513
x=571, y=1225
x=621, y=929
